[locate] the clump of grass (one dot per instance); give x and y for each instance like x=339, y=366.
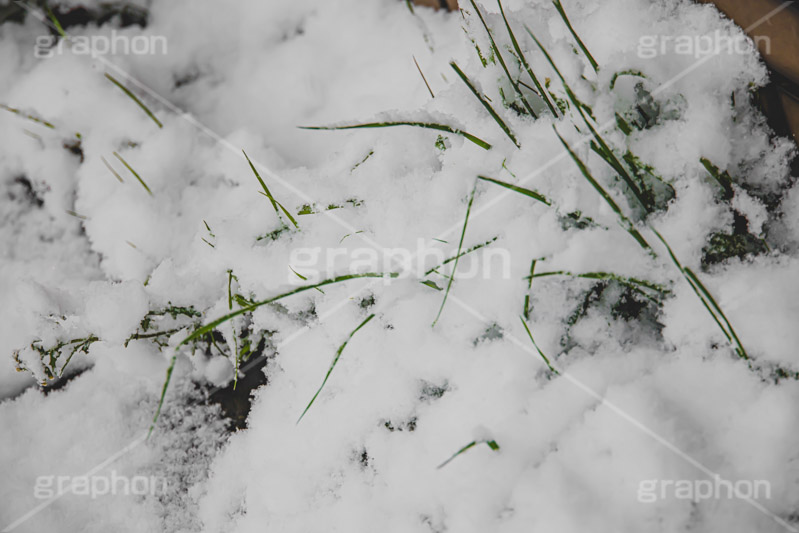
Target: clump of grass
x=133, y=97
x=485, y=104
x=249, y=307
x=50, y=356
x=606, y=153
x=490, y=443
x=334, y=363
x=601, y=147
x=275, y=203
x=135, y=174
x=390, y=124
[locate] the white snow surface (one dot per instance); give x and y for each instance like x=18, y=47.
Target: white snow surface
x=661, y=398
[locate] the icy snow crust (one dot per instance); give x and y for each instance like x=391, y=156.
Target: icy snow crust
x=660, y=395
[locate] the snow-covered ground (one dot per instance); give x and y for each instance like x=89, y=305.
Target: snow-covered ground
x=652, y=380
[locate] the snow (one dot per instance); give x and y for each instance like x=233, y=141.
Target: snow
x=659, y=397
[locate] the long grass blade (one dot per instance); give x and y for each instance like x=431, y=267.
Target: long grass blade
x=458, y=255
x=515, y=188
x=526, y=310
x=199, y=332
x=55, y=22
x=485, y=104
x=275, y=203
x=164, y=388
x=588, y=55
x=429, y=125
x=707, y=300
x=333, y=364
x=32, y=118
x=541, y=353
x=739, y=346
x=134, y=98
x=630, y=281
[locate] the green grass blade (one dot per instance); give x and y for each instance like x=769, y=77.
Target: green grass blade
x=135, y=174
x=333, y=364
x=275, y=203
x=541, y=91
x=134, y=98
x=630, y=281
x=707, y=300
x=428, y=125
x=521, y=190
x=199, y=332
x=541, y=353
x=485, y=104
x=490, y=443
x=526, y=310
x=625, y=222
x=465, y=252
x=739, y=346
x=588, y=55
x=458, y=255
x=723, y=178
x=169, y=371
x=28, y=116
x=494, y=46
x=55, y=22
